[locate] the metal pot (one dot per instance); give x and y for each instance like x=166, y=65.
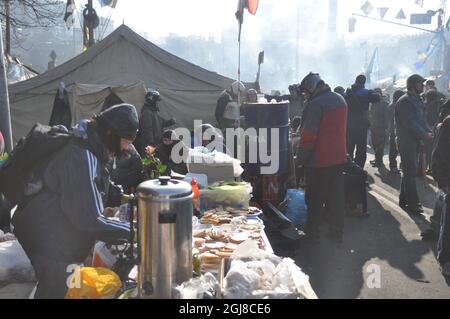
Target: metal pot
x=164, y=236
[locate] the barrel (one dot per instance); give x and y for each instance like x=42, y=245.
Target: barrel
x=268, y=188
x=269, y=116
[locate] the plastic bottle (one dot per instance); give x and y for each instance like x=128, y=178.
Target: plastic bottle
x=196, y=192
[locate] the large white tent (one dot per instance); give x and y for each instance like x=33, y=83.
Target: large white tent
x=188, y=91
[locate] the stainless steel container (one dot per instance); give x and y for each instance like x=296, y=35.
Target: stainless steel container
x=164, y=235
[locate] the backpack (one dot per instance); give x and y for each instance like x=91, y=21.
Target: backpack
x=21, y=174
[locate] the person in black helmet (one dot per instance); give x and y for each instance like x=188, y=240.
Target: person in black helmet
x=58, y=227
x=412, y=130
x=151, y=123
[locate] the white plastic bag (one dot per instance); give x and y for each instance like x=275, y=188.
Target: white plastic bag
x=240, y=281
x=288, y=276
x=15, y=267
x=203, y=287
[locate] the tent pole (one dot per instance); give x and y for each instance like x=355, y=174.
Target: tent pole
x=5, y=116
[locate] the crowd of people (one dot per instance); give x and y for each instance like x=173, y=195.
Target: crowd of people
x=336, y=124
x=57, y=229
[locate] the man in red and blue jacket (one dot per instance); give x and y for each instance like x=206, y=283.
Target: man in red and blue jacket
x=323, y=153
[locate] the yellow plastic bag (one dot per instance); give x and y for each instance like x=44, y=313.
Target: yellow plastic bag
x=93, y=283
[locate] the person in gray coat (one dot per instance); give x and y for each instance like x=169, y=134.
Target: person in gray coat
x=58, y=227
x=379, y=122
x=412, y=130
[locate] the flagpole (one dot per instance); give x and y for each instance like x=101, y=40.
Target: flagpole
x=239, y=72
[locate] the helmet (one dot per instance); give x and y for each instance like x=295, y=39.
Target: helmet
x=152, y=97
x=122, y=119
x=310, y=83
x=413, y=80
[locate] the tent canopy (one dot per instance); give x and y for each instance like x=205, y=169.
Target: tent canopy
x=188, y=91
x=87, y=99
x=16, y=71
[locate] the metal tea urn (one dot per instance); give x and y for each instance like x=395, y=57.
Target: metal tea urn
x=164, y=236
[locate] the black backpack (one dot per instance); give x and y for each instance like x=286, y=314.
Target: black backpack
x=21, y=174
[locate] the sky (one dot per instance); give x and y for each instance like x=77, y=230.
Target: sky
x=158, y=18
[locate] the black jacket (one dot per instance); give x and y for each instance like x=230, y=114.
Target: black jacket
x=358, y=99
x=411, y=125
x=379, y=115
x=128, y=170
x=163, y=152
x=64, y=219
x=151, y=127
x=440, y=159
x=433, y=102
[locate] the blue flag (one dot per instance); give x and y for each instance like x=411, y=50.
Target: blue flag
x=434, y=46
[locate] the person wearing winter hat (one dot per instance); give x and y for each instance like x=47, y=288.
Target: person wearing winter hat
x=227, y=108
x=59, y=225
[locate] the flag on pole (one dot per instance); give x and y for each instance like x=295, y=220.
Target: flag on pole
x=251, y=6
x=108, y=3
x=69, y=16
x=373, y=66
x=435, y=44
x=367, y=8
x=261, y=57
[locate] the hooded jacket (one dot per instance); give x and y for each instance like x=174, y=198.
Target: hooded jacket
x=65, y=218
x=323, y=131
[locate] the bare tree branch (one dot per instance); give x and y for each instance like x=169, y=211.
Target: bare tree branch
x=33, y=13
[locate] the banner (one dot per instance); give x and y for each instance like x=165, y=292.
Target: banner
x=69, y=16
